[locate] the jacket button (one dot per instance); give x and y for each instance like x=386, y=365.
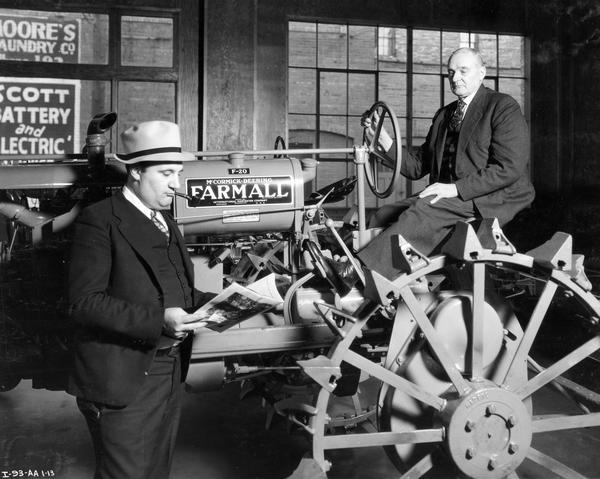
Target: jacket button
x=145, y=373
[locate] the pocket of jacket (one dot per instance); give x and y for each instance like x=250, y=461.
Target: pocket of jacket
x=90, y=409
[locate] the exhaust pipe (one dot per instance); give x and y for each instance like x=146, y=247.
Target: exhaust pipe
x=95, y=141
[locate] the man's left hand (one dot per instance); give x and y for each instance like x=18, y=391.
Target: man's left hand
x=439, y=191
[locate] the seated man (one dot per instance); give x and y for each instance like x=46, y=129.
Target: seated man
x=476, y=154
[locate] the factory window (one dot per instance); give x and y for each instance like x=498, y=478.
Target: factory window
x=337, y=71
x=60, y=68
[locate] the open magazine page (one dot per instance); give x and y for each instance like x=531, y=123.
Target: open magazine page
x=237, y=303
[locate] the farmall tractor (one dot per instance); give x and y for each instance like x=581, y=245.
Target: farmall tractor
x=441, y=367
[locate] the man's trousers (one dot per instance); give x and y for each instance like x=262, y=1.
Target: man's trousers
x=137, y=441
x=419, y=222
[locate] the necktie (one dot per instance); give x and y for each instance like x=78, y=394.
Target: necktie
x=159, y=224
x=457, y=116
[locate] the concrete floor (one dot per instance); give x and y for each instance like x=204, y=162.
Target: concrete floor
x=223, y=437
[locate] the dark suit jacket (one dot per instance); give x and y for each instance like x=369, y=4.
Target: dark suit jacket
x=492, y=155
x=116, y=299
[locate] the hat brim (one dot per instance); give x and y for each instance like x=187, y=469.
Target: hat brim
x=170, y=157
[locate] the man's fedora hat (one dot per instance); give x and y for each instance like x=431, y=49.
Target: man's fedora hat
x=155, y=141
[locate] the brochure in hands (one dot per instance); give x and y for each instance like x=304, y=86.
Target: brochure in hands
x=237, y=303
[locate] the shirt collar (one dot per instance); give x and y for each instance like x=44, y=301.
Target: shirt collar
x=135, y=201
x=469, y=99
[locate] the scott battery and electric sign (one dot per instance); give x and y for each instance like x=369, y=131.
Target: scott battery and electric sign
x=39, y=116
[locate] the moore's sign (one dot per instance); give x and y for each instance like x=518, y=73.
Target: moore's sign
x=39, y=39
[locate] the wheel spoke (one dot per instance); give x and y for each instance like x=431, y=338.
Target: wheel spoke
x=533, y=326
x=569, y=389
x=434, y=340
x=477, y=316
x=348, y=441
x=553, y=465
x=559, y=367
x=560, y=422
x=372, y=165
x=386, y=160
x=420, y=468
x=397, y=382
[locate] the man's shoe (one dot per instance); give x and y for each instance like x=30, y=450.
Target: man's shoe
x=341, y=275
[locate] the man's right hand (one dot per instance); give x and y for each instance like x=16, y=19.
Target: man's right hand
x=385, y=141
x=178, y=323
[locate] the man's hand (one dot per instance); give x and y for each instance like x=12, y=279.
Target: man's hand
x=385, y=140
x=178, y=323
x=439, y=191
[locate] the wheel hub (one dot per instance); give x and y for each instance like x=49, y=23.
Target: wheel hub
x=488, y=432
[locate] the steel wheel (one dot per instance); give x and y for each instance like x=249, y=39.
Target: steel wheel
x=456, y=397
x=383, y=118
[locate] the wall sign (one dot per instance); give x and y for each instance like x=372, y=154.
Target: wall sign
x=39, y=39
x=227, y=191
x=39, y=116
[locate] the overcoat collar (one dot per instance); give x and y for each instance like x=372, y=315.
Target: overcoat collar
x=472, y=116
x=128, y=220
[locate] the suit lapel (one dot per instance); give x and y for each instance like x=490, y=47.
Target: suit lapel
x=440, y=137
x=472, y=117
x=130, y=221
x=174, y=229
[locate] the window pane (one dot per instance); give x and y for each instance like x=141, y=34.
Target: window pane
x=515, y=88
x=448, y=95
x=486, y=44
x=333, y=46
x=302, y=38
x=95, y=99
x=355, y=131
x=147, y=41
x=302, y=90
x=490, y=83
x=426, y=95
x=426, y=51
x=361, y=92
x=145, y=101
x=302, y=131
x=512, y=55
x=54, y=37
x=420, y=130
x=333, y=134
x=392, y=90
x=333, y=93
x=39, y=116
x=452, y=41
x=363, y=45
x=392, y=49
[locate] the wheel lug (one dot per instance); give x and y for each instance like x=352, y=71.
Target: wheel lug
x=469, y=425
x=511, y=421
x=491, y=409
x=513, y=448
x=493, y=462
x=470, y=453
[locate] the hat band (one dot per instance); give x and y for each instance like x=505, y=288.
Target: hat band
x=151, y=151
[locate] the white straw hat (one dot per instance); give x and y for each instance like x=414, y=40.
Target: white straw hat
x=156, y=141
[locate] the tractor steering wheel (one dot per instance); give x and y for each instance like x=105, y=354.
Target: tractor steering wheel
x=384, y=125
x=279, y=145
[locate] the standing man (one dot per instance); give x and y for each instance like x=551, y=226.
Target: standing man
x=477, y=155
x=130, y=283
